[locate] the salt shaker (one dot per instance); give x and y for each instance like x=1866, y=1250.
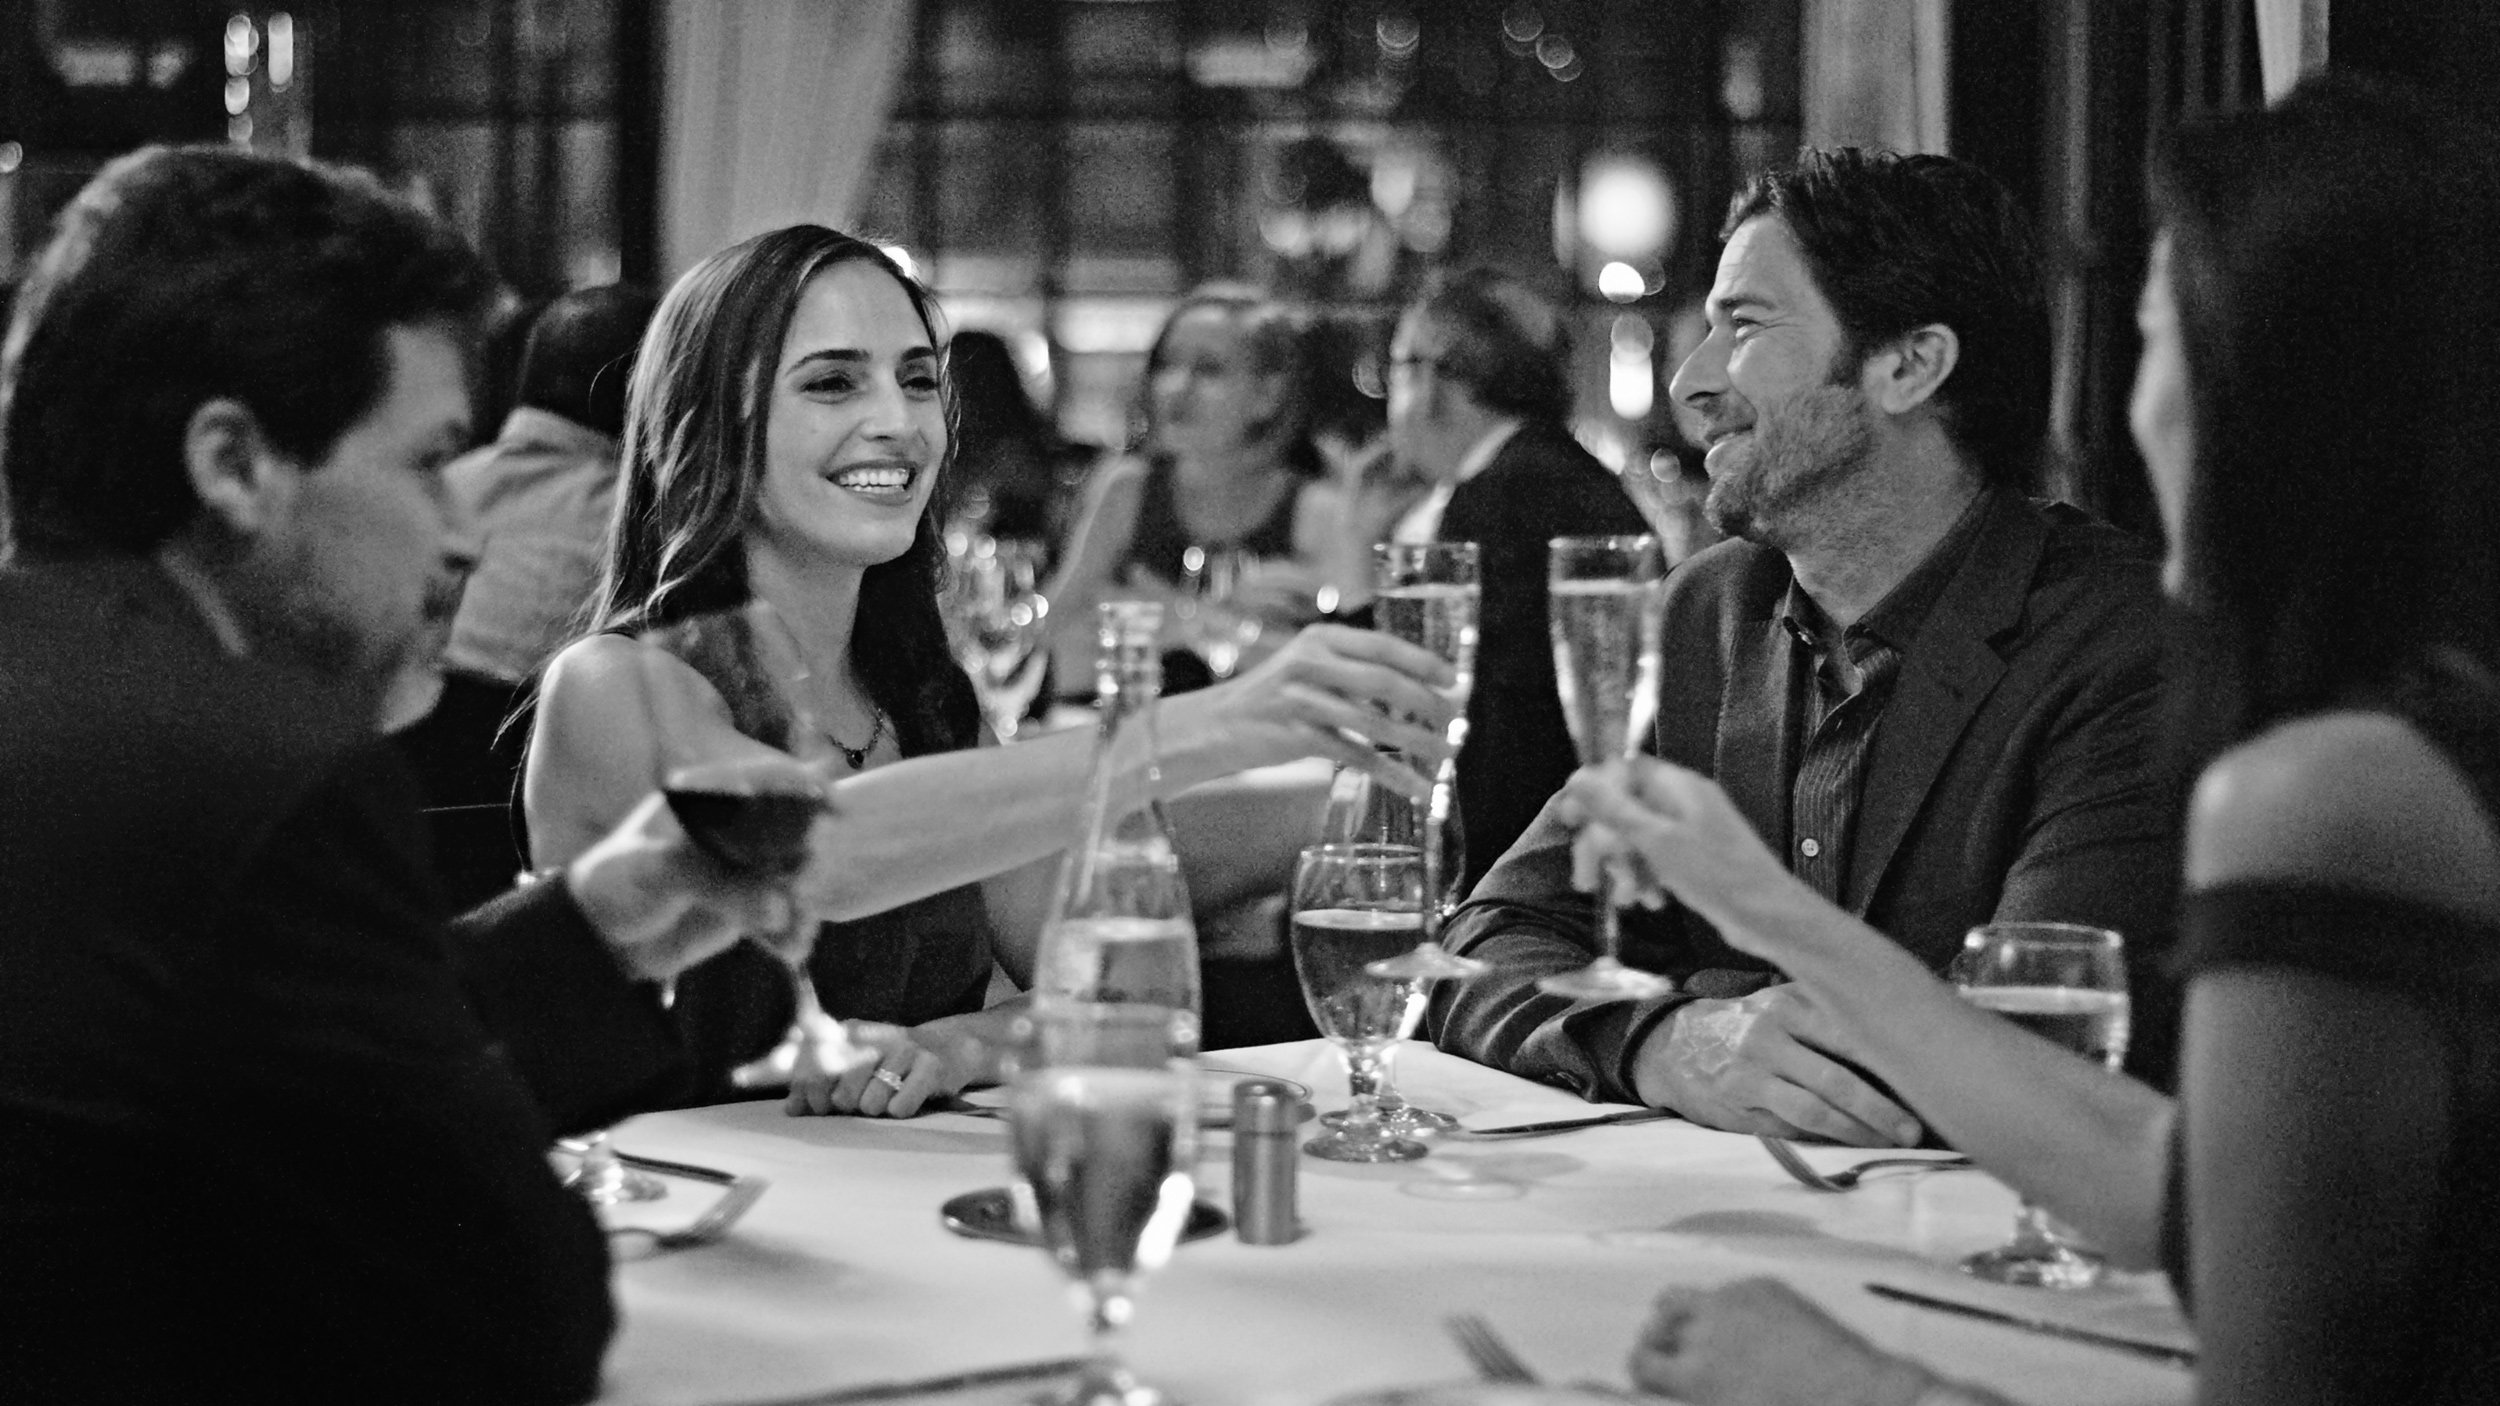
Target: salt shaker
x=1265, y=1162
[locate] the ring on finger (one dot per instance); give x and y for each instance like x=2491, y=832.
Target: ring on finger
x=890, y=1079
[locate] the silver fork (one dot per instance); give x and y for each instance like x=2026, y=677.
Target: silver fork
x=1847, y=1177
x=1486, y=1352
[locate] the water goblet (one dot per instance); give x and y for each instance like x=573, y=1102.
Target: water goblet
x=1353, y=905
x=1364, y=809
x=1102, y=1108
x=1605, y=605
x=2066, y=983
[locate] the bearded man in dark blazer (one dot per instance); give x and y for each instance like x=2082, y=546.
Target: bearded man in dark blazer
x=1479, y=404
x=1934, y=696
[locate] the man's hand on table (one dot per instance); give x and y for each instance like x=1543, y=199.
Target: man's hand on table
x=1756, y=1064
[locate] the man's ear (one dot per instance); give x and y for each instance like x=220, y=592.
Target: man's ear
x=1906, y=373
x=242, y=481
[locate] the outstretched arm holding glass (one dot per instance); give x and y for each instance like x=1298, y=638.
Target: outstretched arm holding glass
x=902, y=832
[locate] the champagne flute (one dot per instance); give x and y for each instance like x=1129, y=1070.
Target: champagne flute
x=2066, y=983
x=1218, y=629
x=1605, y=607
x=1102, y=1108
x=996, y=617
x=1427, y=595
x=747, y=813
x=1351, y=905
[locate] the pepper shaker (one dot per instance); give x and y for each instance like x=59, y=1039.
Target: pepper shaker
x=1265, y=1162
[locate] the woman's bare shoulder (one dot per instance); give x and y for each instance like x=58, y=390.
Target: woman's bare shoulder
x=592, y=659
x=2351, y=800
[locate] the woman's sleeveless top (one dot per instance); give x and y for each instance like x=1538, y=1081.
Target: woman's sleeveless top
x=905, y=965
x=1156, y=543
x=2450, y=967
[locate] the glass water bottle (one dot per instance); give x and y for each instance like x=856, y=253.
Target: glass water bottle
x=1120, y=928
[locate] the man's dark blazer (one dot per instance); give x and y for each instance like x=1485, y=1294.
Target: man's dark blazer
x=2013, y=775
x=268, y=1131
x=1539, y=486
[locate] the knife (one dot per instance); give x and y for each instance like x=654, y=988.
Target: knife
x=2159, y=1352
x=1564, y=1125
x=933, y=1386
x=687, y=1170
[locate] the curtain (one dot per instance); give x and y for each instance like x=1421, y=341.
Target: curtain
x=770, y=113
x=1874, y=73
x=2291, y=42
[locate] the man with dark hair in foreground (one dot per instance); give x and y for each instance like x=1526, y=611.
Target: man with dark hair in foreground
x=1933, y=695
x=268, y=1132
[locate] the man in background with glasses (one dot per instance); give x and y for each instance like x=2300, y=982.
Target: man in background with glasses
x=1933, y=695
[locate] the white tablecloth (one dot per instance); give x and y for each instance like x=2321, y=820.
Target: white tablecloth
x=842, y=1274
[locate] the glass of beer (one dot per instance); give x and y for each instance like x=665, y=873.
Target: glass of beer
x=2066, y=983
x=1353, y=905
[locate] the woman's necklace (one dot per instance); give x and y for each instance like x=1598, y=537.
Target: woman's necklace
x=858, y=756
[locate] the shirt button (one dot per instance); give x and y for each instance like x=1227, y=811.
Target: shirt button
x=1810, y=847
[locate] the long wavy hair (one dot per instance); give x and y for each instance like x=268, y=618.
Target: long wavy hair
x=2339, y=309
x=693, y=468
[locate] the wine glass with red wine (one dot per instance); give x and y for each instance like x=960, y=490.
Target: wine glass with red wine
x=751, y=813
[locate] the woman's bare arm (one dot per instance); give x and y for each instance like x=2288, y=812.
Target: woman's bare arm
x=906, y=831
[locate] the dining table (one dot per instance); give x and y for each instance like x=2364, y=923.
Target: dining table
x=842, y=1276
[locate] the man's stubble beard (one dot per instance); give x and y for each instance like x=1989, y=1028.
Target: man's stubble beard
x=1819, y=440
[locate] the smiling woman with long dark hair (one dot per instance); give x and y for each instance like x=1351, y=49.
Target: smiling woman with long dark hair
x=786, y=440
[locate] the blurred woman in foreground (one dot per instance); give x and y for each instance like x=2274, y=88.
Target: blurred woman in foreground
x=2316, y=401
x=786, y=436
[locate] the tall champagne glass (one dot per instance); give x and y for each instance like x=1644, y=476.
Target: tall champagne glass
x=748, y=814
x=1352, y=906
x=1605, y=606
x=1428, y=595
x=2066, y=983
x=1218, y=629
x=996, y=619
x=1102, y=1107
